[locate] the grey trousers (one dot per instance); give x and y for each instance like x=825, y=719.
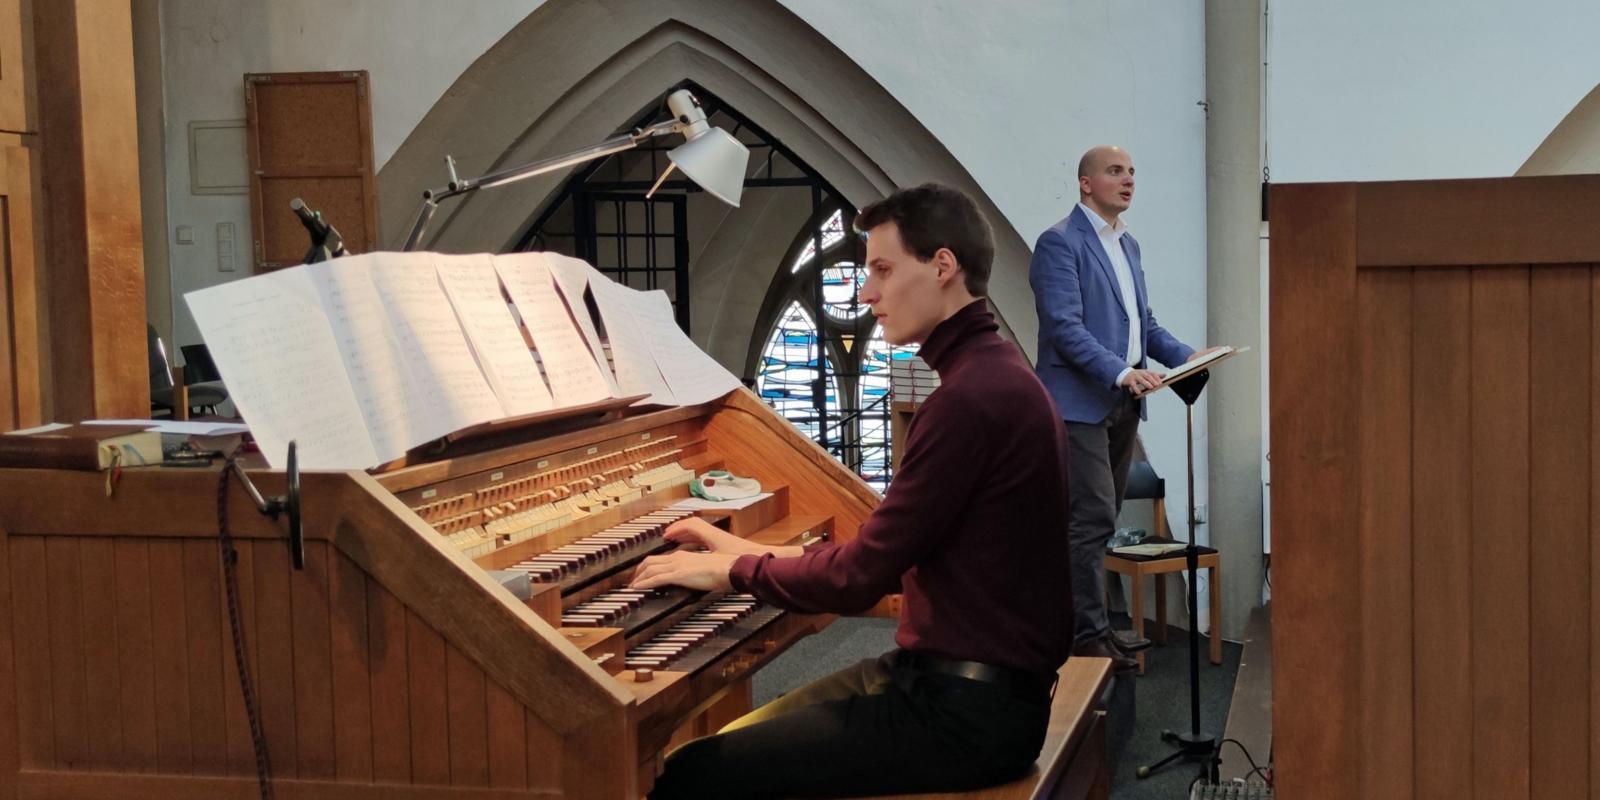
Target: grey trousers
x=1098, y=457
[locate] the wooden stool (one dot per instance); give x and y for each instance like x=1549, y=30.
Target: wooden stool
x=1158, y=567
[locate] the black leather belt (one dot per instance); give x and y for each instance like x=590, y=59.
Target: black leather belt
x=1023, y=685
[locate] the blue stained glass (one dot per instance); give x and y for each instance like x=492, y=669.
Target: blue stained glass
x=874, y=404
x=788, y=373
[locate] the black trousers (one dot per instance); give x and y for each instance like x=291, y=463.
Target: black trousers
x=875, y=728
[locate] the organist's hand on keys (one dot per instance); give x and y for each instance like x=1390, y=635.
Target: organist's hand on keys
x=696, y=532
x=706, y=572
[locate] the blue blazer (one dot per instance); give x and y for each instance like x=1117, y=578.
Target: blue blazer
x=1083, y=327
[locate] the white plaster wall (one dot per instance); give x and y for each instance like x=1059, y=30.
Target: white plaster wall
x=414, y=50
x=1423, y=89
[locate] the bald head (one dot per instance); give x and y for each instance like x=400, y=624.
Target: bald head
x=1094, y=159
x=1105, y=181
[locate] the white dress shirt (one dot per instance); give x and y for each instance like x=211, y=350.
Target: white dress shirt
x=1111, y=243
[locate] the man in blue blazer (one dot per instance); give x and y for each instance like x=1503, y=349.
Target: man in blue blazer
x=1096, y=335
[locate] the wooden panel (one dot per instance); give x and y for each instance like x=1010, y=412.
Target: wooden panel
x=93, y=236
x=508, y=741
x=20, y=400
x=1384, y=342
x=206, y=615
x=30, y=624
x=169, y=637
x=469, y=721
x=1441, y=521
x=1559, y=656
x=329, y=164
x=352, y=685
x=136, y=658
x=1499, y=540
x=544, y=755
x=1316, y=674
x=9, y=730
x=313, y=664
x=1594, y=535
x=241, y=747
x=15, y=28
x=77, y=786
x=430, y=715
x=1462, y=223
x=274, y=656
x=100, y=653
x=391, y=685
x=65, y=591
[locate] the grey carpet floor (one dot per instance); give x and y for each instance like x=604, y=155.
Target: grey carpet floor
x=1160, y=697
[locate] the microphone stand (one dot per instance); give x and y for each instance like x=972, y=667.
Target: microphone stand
x=326, y=243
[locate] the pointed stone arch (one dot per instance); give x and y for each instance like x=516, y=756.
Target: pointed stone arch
x=1573, y=147
x=571, y=72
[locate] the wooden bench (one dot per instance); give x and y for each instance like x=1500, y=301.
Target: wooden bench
x=1072, y=763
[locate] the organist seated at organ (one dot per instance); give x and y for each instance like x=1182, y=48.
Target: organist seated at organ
x=968, y=533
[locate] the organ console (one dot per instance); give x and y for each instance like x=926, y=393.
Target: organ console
x=462, y=626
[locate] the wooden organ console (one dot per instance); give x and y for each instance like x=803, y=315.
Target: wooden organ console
x=462, y=626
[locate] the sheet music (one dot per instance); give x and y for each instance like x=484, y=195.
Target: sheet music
x=260, y=330
x=693, y=376
x=474, y=291
x=637, y=372
x=446, y=381
x=573, y=277
x=574, y=374
x=396, y=416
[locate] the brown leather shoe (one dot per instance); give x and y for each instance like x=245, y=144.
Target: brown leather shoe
x=1103, y=648
x=1128, y=642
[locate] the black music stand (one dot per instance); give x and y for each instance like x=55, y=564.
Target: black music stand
x=1192, y=746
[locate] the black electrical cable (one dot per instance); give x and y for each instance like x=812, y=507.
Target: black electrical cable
x=230, y=579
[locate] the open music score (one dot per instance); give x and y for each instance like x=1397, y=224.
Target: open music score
x=391, y=351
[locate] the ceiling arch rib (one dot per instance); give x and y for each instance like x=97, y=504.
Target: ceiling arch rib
x=567, y=75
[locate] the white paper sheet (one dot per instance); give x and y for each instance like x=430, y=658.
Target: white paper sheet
x=372, y=358
x=573, y=277
x=474, y=291
x=184, y=427
x=260, y=330
x=693, y=376
x=637, y=372
x=446, y=381
x=702, y=504
x=574, y=375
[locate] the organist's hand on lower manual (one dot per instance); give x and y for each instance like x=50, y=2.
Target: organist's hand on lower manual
x=706, y=572
x=696, y=532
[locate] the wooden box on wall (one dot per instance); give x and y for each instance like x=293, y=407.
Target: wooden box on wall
x=310, y=136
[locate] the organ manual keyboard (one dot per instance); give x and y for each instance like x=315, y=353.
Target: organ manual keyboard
x=399, y=662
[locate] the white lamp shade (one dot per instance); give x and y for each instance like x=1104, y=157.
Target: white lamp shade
x=716, y=161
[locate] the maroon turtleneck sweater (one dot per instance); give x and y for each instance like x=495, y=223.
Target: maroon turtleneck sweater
x=973, y=530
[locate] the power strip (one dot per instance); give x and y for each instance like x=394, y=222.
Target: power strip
x=1231, y=791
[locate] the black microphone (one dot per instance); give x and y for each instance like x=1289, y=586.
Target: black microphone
x=308, y=218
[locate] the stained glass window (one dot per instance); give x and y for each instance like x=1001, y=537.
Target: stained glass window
x=786, y=377
x=873, y=400
x=832, y=234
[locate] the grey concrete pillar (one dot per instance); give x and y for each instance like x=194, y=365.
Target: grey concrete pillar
x=1233, y=288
